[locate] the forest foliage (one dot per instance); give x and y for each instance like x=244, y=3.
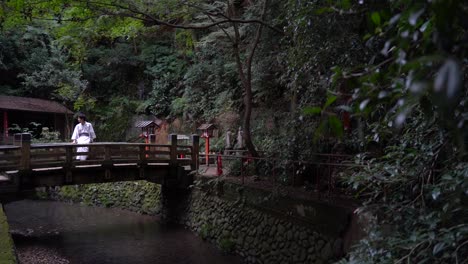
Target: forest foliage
x=395, y=69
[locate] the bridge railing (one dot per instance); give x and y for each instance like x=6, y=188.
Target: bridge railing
x=10, y=158
x=27, y=156
x=322, y=174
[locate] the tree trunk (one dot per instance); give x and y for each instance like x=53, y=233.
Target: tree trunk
x=247, y=116
x=245, y=71
x=246, y=79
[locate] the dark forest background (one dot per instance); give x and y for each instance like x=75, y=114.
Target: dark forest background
x=382, y=80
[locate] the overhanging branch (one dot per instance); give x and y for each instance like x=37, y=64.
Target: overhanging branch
x=120, y=10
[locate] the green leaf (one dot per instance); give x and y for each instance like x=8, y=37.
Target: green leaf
x=320, y=130
x=447, y=177
x=336, y=126
x=330, y=100
x=337, y=74
x=323, y=10
x=346, y=4
x=311, y=110
x=376, y=18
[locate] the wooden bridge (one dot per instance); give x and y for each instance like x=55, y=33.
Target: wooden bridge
x=24, y=166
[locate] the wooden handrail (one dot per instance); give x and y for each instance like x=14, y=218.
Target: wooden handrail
x=108, y=153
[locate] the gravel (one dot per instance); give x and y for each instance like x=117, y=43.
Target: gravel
x=39, y=255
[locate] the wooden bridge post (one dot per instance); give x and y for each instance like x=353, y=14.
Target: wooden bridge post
x=107, y=163
x=195, y=151
x=25, y=151
x=68, y=164
x=172, y=178
x=143, y=161
x=173, y=149
x=23, y=140
x=17, y=139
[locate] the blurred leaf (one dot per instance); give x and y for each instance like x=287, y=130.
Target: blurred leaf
x=346, y=4
x=435, y=193
x=413, y=18
x=311, y=110
x=363, y=104
x=448, y=78
x=336, y=126
x=330, y=100
x=345, y=108
x=438, y=247
x=375, y=16
x=323, y=10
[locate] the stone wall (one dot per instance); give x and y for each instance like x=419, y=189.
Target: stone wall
x=231, y=217
x=7, y=248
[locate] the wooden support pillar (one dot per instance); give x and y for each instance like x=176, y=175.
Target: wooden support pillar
x=107, y=154
x=17, y=139
x=68, y=164
x=207, y=151
x=24, y=141
x=173, y=149
x=195, y=152
x=143, y=161
x=142, y=154
x=5, y=124
x=172, y=178
x=152, y=140
x=107, y=163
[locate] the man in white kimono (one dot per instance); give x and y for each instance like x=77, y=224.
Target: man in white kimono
x=83, y=134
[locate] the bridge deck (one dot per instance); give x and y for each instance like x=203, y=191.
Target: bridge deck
x=28, y=165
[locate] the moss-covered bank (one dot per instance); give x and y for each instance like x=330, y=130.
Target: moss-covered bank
x=7, y=248
x=138, y=196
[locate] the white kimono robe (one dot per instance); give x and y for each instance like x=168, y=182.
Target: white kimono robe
x=83, y=134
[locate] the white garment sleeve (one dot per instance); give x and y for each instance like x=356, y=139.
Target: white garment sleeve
x=92, y=135
x=75, y=135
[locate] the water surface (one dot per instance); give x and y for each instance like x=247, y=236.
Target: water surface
x=83, y=234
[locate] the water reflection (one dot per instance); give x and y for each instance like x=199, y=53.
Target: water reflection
x=99, y=235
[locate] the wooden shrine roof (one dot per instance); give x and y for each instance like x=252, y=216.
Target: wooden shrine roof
x=32, y=105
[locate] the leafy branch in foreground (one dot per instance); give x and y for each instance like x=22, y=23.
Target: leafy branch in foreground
x=412, y=99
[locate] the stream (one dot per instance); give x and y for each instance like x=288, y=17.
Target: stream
x=57, y=232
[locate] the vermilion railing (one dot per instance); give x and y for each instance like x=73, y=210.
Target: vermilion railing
x=323, y=173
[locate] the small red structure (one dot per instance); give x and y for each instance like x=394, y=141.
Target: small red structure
x=148, y=131
x=220, y=165
x=148, y=127
x=207, y=132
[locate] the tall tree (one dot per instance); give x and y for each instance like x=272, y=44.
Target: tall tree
x=188, y=14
